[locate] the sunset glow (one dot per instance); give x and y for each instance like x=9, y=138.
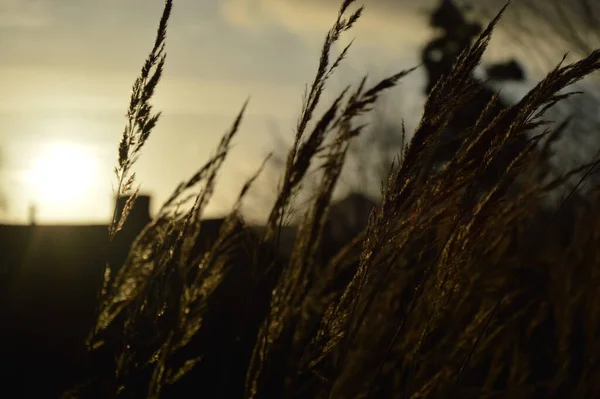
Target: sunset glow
x=62, y=175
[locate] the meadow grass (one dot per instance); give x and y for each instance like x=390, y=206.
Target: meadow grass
x=460, y=286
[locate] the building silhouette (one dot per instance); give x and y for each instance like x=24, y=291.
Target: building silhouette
x=50, y=277
x=49, y=280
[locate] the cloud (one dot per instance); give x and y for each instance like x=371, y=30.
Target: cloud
x=24, y=14
x=385, y=23
x=388, y=28
x=35, y=89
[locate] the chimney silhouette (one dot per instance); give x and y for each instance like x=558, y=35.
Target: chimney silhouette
x=32, y=214
x=139, y=215
x=137, y=219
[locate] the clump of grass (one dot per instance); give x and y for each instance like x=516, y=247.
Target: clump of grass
x=453, y=290
x=141, y=120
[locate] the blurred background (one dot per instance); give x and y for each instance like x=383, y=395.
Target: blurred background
x=67, y=69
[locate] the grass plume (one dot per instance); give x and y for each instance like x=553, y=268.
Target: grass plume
x=462, y=284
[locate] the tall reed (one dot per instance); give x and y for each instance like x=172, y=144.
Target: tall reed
x=457, y=288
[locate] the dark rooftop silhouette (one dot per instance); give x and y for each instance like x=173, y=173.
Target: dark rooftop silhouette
x=50, y=277
x=49, y=281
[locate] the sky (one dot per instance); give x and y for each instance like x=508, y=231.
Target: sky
x=68, y=66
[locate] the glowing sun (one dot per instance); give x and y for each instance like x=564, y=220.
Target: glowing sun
x=62, y=174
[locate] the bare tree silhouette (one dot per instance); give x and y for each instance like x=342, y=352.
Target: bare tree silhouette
x=574, y=24
x=544, y=31
x=372, y=154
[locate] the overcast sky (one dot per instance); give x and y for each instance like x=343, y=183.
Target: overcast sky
x=67, y=68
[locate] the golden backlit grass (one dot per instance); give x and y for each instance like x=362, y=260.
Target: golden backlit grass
x=461, y=286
